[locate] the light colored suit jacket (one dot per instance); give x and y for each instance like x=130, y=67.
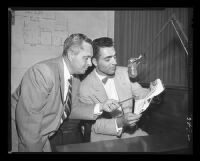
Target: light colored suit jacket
x=91, y=88
x=38, y=104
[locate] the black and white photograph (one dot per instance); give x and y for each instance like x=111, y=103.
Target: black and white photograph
x=101, y=80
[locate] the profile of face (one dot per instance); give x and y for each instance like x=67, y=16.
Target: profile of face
x=82, y=60
x=106, y=63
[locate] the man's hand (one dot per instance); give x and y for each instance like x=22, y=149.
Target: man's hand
x=128, y=119
x=109, y=105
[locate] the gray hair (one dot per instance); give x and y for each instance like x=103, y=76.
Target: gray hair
x=74, y=43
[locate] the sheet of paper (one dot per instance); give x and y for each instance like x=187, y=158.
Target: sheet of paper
x=142, y=104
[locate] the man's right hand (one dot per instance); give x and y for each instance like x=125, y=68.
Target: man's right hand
x=128, y=119
x=109, y=105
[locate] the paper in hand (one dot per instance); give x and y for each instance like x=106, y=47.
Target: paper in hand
x=142, y=104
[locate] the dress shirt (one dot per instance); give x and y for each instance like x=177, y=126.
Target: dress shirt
x=67, y=76
x=111, y=93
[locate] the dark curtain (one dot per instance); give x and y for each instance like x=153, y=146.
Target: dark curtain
x=165, y=58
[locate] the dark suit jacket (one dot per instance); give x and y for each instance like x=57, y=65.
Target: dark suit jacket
x=38, y=104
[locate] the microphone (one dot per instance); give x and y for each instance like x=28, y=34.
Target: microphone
x=173, y=17
x=133, y=63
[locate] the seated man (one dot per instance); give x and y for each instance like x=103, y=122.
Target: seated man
x=94, y=89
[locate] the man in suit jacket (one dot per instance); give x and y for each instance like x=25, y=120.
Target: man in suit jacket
x=38, y=103
x=108, y=81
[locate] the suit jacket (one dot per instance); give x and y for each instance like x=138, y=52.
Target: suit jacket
x=38, y=104
x=91, y=88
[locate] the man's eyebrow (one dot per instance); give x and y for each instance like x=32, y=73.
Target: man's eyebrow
x=87, y=56
x=109, y=56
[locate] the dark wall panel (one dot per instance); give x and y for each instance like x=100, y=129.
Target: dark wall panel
x=170, y=115
x=165, y=57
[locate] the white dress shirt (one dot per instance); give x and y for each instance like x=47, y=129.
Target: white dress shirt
x=111, y=93
x=67, y=76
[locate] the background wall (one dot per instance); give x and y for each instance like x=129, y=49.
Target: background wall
x=39, y=35
x=135, y=33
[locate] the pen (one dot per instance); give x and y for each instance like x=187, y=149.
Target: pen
x=101, y=102
x=126, y=100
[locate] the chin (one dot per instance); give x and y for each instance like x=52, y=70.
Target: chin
x=111, y=73
x=82, y=72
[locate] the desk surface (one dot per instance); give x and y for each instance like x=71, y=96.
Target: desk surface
x=152, y=143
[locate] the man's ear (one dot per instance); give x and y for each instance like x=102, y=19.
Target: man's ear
x=70, y=55
x=94, y=61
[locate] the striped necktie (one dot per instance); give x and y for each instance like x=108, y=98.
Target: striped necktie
x=68, y=101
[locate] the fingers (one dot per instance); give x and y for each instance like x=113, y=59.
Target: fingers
x=132, y=123
x=115, y=105
x=132, y=117
x=110, y=105
x=108, y=108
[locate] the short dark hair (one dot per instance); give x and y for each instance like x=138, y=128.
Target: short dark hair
x=74, y=43
x=101, y=43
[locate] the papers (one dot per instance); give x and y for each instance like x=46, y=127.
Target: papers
x=156, y=87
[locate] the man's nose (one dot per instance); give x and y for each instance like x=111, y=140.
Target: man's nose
x=114, y=62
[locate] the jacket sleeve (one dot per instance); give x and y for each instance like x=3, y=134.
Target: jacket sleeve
x=137, y=90
x=105, y=126
x=101, y=125
x=35, y=87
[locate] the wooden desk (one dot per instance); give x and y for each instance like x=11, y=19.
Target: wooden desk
x=171, y=143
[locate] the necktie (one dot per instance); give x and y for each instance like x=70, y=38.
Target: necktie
x=104, y=80
x=68, y=101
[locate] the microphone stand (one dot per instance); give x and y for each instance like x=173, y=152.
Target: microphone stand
x=173, y=21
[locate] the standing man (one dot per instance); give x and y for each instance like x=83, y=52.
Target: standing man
x=48, y=94
x=109, y=81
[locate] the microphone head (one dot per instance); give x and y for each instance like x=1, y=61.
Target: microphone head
x=173, y=17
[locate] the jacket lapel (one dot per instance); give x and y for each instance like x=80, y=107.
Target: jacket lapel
x=120, y=86
x=123, y=89
x=100, y=92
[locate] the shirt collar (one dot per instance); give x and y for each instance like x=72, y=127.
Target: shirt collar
x=99, y=76
x=67, y=75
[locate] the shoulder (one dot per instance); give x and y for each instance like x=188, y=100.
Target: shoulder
x=122, y=70
x=42, y=69
x=49, y=67
x=40, y=72
x=89, y=78
x=88, y=81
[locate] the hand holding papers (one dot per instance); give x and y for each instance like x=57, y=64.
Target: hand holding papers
x=156, y=87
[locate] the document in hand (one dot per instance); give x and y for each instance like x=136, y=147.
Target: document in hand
x=156, y=87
